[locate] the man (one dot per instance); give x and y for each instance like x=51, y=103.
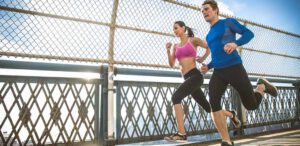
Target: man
x=228, y=68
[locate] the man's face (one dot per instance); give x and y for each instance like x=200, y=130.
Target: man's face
x=208, y=13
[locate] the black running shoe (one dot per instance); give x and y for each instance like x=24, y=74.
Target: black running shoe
x=227, y=144
x=270, y=89
x=236, y=122
x=176, y=138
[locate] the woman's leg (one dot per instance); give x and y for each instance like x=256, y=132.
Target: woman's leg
x=186, y=88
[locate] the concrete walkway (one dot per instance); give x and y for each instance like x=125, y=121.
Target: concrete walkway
x=286, y=138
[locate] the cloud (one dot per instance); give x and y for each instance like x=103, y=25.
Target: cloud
x=238, y=7
x=224, y=8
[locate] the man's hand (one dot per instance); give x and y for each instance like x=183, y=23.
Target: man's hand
x=230, y=47
x=203, y=69
x=200, y=59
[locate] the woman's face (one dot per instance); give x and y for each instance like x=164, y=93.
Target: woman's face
x=178, y=30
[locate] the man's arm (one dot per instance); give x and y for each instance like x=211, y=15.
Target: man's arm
x=246, y=34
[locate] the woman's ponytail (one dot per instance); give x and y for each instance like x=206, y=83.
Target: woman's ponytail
x=190, y=32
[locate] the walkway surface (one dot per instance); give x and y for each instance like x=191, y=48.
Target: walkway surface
x=286, y=138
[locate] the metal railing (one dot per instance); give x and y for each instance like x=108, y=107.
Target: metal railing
x=114, y=33
x=144, y=109
x=54, y=110
x=50, y=110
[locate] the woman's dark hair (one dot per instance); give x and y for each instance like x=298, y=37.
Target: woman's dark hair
x=188, y=29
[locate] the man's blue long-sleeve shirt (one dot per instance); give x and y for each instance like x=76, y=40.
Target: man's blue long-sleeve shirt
x=223, y=32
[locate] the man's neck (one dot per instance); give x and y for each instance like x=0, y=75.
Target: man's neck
x=214, y=21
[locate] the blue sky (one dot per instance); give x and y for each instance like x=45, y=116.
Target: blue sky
x=281, y=14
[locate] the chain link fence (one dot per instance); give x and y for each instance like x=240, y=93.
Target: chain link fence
x=81, y=31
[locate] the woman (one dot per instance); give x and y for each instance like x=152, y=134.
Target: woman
x=185, y=52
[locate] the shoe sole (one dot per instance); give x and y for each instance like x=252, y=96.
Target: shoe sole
x=235, y=119
x=269, y=84
x=180, y=141
x=237, y=125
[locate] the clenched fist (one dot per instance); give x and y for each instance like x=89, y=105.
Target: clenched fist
x=168, y=46
x=203, y=69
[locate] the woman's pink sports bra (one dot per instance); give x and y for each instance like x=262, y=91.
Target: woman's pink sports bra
x=187, y=50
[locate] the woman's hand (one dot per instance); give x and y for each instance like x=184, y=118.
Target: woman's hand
x=168, y=46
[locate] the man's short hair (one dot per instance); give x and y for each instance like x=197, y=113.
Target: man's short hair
x=213, y=4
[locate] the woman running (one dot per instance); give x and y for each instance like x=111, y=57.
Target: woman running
x=186, y=53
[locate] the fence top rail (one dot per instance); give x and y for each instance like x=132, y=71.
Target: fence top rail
x=190, y=6
x=44, y=80
x=11, y=64
x=28, y=65
x=162, y=73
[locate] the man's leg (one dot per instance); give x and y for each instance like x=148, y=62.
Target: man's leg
x=219, y=119
x=240, y=81
x=217, y=87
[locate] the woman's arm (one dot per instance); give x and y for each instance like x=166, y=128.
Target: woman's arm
x=198, y=42
x=171, y=56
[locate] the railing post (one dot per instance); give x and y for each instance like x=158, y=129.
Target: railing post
x=118, y=116
x=103, y=106
x=97, y=113
x=110, y=85
x=297, y=86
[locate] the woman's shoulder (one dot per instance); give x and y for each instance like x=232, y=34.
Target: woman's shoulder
x=194, y=39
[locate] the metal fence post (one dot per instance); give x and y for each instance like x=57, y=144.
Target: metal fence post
x=103, y=106
x=110, y=85
x=118, y=116
x=297, y=86
x=97, y=112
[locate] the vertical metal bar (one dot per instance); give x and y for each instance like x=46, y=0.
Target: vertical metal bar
x=298, y=104
x=118, y=111
x=112, y=34
x=297, y=86
x=110, y=86
x=103, y=105
x=97, y=112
